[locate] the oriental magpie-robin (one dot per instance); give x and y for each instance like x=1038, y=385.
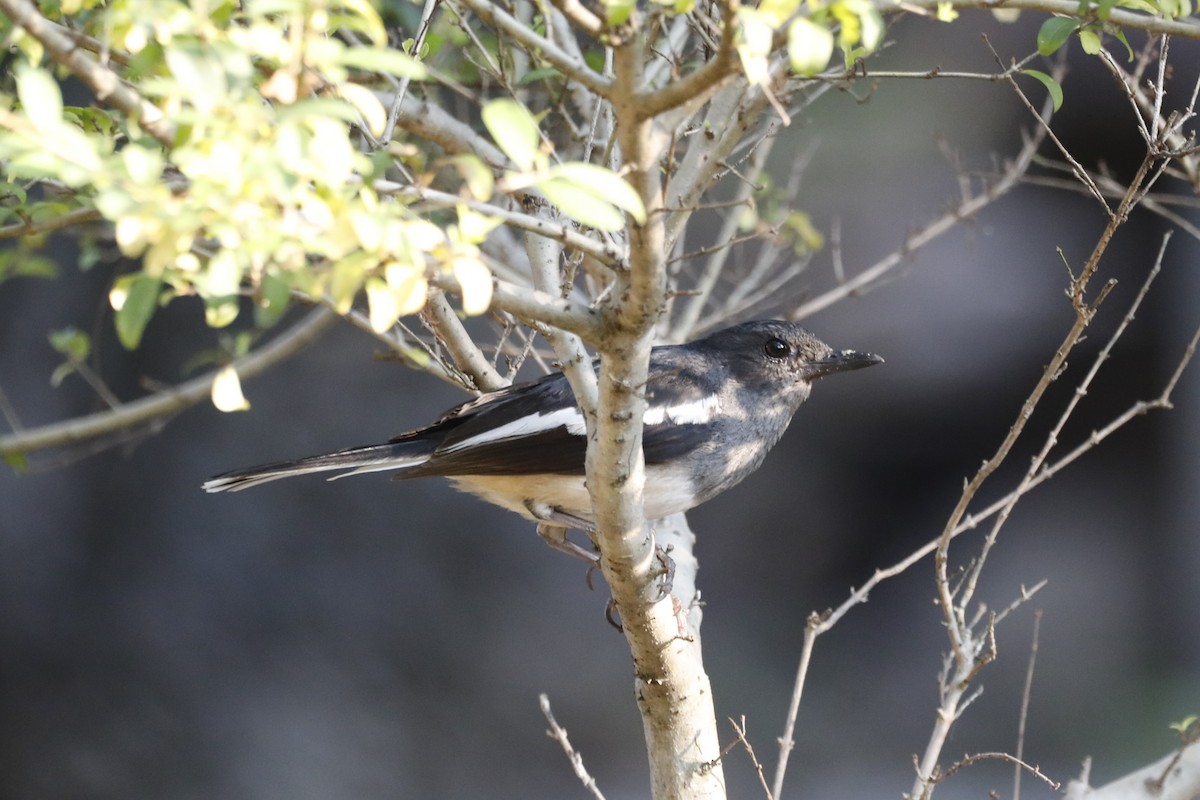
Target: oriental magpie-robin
x=715, y=407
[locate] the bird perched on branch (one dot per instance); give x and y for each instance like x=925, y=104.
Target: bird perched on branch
x=716, y=406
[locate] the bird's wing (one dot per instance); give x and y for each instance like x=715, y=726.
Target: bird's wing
x=536, y=428
x=522, y=430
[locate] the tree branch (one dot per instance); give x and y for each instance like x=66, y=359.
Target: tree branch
x=104, y=82
x=168, y=401
x=1184, y=28
x=573, y=68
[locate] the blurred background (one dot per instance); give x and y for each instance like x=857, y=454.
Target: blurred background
x=374, y=639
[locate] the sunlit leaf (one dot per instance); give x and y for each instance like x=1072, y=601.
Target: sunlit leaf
x=220, y=311
x=382, y=307
x=475, y=281
x=514, y=129
x=754, y=40
x=40, y=98
x=478, y=177
x=617, y=12
x=606, y=185
x=810, y=46
x=380, y=59
x=473, y=226
x=946, y=12
x=227, y=391
x=409, y=285
x=367, y=104
x=582, y=205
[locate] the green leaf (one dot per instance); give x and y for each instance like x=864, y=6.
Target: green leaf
x=17, y=461
x=810, y=46
x=1089, y=40
x=1120, y=34
x=606, y=185
x=1053, y=34
x=40, y=98
x=580, y=204
x=1104, y=8
x=476, y=174
x=274, y=294
x=382, y=59
x=220, y=311
x=617, y=12
x=514, y=129
x=535, y=75
x=71, y=342
x=1056, y=92
x=134, y=297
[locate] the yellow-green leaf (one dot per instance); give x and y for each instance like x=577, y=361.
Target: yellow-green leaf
x=754, y=35
x=479, y=179
x=1089, y=40
x=227, y=391
x=617, y=12
x=409, y=285
x=605, y=185
x=380, y=59
x=367, y=104
x=582, y=205
x=475, y=281
x=40, y=98
x=810, y=46
x=514, y=129
x=382, y=308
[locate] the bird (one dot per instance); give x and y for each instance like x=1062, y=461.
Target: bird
x=715, y=407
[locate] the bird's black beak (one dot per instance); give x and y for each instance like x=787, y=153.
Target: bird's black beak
x=843, y=361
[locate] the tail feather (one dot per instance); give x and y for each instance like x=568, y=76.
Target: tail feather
x=356, y=460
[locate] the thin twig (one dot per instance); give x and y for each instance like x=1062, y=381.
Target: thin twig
x=559, y=734
x=740, y=730
x=1026, y=693
x=168, y=401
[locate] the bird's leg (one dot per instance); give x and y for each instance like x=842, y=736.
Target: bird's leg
x=666, y=579
x=553, y=525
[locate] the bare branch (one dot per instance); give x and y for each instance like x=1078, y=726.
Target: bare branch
x=1184, y=28
x=1026, y=693
x=57, y=222
x=696, y=87
x=559, y=734
x=466, y=354
x=604, y=252
x=168, y=401
x=570, y=66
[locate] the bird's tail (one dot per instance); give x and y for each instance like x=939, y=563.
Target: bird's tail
x=373, y=458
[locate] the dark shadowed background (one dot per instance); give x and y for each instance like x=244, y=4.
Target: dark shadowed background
x=371, y=639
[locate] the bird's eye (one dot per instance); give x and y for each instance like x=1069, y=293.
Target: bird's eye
x=777, y=348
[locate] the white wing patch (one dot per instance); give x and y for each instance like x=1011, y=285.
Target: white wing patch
x=695, y=412
x=529, y=425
